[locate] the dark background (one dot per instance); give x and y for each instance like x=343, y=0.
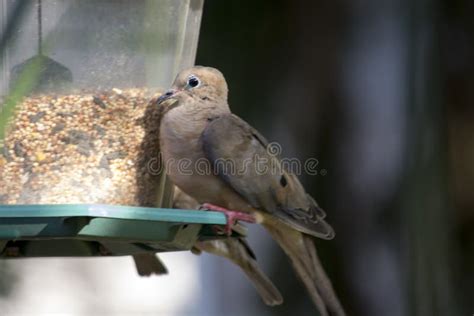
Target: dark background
x=381, y=93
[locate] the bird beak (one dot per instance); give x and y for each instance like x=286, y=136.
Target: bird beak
x=167, y=95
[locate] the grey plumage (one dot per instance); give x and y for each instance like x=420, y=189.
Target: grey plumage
x=263, y=190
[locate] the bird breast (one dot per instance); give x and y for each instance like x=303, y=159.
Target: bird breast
x=180, y=134
x=186, y=163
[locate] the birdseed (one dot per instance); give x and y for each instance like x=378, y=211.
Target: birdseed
x=77, y=148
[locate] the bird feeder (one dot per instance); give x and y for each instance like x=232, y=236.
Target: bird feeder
x=79, y=155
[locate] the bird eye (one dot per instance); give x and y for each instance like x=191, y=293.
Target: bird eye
x=193, y=81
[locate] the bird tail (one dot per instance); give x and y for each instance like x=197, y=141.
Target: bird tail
x=240, y=253
x=301, y=250
x=148, y=264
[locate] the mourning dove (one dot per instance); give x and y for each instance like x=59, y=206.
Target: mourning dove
x=218, y=158
x=150, y=183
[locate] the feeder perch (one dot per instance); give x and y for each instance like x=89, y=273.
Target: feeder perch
x=101, y=230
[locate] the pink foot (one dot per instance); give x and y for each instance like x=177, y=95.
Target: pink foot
x=232, y=216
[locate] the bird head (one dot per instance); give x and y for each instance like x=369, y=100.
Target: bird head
x=197, y=84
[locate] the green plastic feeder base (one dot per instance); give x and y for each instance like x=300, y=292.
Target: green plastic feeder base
x=100, y=230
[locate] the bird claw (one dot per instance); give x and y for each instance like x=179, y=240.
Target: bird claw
x=231, y=216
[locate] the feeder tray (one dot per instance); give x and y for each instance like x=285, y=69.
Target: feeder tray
x=102, y=230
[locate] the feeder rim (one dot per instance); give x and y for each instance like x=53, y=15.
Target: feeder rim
x=112, y=211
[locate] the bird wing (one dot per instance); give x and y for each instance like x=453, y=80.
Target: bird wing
x=241, y=156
